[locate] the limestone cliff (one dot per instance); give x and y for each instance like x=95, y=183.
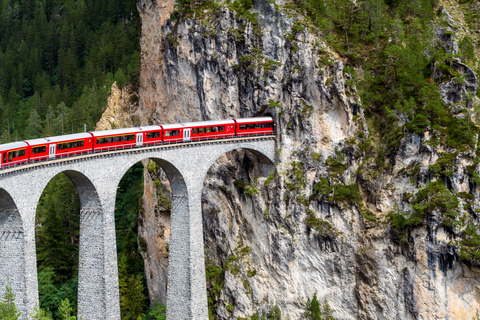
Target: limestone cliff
x=277, y=240
x=121, y=109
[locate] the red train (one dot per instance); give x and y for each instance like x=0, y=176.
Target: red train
x=82, y=143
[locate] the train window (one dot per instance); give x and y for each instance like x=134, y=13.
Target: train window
x=16, y=154
x=40, y=149
x=220, y=129
x=152, y=135
x=243, y=127
x=195, y=131
x=172, y=133
x=5, y=157
x=209, y=129
x=69, y=145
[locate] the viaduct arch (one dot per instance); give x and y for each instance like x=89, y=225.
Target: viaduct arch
x=96, y=177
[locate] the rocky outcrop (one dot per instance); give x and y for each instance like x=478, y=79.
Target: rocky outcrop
x=278, y=239
x=121, y=109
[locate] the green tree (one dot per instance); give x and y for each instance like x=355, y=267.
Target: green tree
x=65, y=310
x=8, y=311
x=274, y=313
x=47, y=290
x=39, y=314
x=312, y=309
x=132, y=298
x=58, y=218
x=158, y=311
x=34, y=126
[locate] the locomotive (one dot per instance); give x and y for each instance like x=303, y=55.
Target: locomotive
x=30, y=151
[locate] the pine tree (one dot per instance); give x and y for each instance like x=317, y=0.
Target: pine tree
x=34, y=126
x=312, y=309
x=132, y=298
x=8, y=311
x=158, y=311
x=65, y=310
x=39, y=314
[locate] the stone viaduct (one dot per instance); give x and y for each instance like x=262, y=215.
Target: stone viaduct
x=96, y=177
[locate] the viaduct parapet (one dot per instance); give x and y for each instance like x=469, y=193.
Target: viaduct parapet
x=96, y=177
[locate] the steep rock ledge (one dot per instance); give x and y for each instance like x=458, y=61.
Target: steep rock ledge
x=277, y=239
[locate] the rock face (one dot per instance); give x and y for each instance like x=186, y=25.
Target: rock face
x=121, y=109
x=275, y=240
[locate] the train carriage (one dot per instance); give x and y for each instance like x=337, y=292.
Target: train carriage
x=254, y=126
x=60, y=146
x=201, y=130
x=126, y=138
x=216, y=129
x=13, y=153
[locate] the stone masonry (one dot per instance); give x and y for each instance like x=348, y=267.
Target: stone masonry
x=96, y=178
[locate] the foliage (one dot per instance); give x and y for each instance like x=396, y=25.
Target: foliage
x=58, y=221
x=270, y=177
x=57, y=239
x=434, y=197
x=274, y=313
x=477, y=316
x=133, y=292
x=348, y=193
x=323, y=227
x=322, y=188
x=336, y=164
x=133, y=301
x=39, y=314
x=215, y=276
x=58, y=60
x=65, y=310
x=314, y=310
x=158, y=311
x=8, y=311
x=245, y=187
x=470, y=244
x=395, y=44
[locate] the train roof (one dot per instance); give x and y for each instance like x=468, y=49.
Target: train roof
x=197, y=124
x=67, y=137
x=12, y=145
x=124, y=131
x=249, y=120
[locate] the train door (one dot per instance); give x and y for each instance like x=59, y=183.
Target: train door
x=186, y=134
x=51, y=152
x=139, y=139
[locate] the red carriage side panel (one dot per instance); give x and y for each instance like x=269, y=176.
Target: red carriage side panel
x=254, y=126
x=74, y=147
x=152, y=135
x=115, y=139
x=14, y=153
x=212, y=129
x=173, y=132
